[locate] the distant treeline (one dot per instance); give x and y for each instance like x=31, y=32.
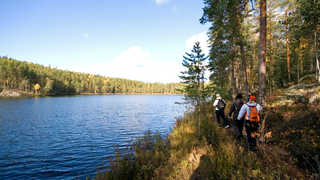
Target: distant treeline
x=43, y=80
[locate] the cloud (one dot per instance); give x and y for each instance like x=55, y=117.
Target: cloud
x=136, y=63
x=202, y=38
x=85, y=35
x=160, y=2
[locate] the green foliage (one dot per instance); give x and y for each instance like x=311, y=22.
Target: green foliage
x=193, y=77
x=225, y=36
x=23, y=75
x=234, y=23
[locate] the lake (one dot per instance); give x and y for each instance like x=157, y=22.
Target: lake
x=70, y=137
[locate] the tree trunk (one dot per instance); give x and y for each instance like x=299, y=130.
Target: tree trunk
x=233, y=81
x=242, y=54
x=312, y=62
x=271, y=61
x=298, y=67
x=288, y=45
x=316, y=54
x=199, y=105
x=237, y=74
x=199, y=119
x=302, y=65
x=262, y=51
x=244, y=69
x=300, y=62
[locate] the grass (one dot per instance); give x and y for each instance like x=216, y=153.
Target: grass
x=291, y=152
x=296, y=129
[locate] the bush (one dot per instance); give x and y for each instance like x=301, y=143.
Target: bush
x=139, y=161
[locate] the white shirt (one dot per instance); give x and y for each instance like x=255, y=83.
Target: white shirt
x=215, y=104
x=245, y=109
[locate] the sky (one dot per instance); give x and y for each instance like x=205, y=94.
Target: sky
x=133, y=39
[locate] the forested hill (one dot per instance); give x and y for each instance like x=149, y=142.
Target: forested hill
x=42, y=80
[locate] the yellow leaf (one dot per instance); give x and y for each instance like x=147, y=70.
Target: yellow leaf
x=37, y=87
x=268, y=135
x=255, y=172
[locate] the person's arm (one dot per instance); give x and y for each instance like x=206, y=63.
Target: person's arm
x=215, y=104
x=243, y=110
x=259, y=108
x=231, y=110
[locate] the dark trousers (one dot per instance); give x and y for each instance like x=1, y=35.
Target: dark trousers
x=237, y=128
x=220, y=114
x=251, y=129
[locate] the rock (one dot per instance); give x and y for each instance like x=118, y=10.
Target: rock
x=10, y=93
x=315, y=98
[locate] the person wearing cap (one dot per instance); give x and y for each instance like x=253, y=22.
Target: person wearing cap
x=220, y=104
x=233, y=114
x=251, y=126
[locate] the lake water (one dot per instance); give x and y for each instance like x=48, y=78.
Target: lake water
x=70, y=137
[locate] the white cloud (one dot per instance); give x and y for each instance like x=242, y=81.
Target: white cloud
x=202, y=38
x=160, y=2
x=136, y=63
x=85, y=35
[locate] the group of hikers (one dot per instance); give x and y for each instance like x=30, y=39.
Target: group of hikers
x=241, y=114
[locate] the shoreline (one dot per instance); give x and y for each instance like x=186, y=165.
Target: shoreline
x=16, y=94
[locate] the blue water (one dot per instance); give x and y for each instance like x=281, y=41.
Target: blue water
x=70, y=137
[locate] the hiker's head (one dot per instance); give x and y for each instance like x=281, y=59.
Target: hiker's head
x=238, y=98
x=218, y=96
x=252, y=99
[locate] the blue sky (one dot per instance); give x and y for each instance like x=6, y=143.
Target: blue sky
x=134, y=39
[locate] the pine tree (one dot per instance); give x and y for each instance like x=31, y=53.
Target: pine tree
x=193, y=77
x=262, y=50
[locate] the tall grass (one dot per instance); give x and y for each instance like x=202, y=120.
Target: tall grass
x=183, y=154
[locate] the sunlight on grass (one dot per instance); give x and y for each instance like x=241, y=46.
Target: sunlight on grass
x=212, y=155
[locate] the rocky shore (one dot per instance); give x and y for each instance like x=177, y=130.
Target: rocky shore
x=12, y=93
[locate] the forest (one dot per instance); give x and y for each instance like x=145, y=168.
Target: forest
x=36, y=79
x=260, y=46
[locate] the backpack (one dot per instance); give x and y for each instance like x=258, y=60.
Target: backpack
x=254, y=115
x=237, y=108
x=221, y=104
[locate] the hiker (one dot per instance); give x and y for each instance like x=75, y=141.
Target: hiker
x=220, y=104
x=233, y=114
x=250, y=112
